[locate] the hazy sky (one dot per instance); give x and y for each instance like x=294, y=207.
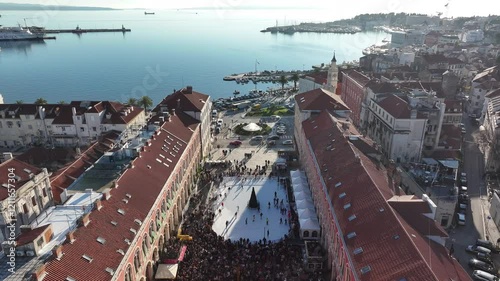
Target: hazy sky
x=339, y=9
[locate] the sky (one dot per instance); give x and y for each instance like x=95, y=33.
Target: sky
x=455, y=7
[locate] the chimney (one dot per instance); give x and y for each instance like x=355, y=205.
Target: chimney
x=162, y=119
x=179, y=103
x=189, y=89
x=85, y=219
x=413, y=114
x=396, y=179
x=7, y=156
x=78, y=151
x=25, y=228
x=39, y=273
x=98, y=204
x=71, y=237
x=73, y=109
x=57, y=252
x=173, y=111
x=107, y=193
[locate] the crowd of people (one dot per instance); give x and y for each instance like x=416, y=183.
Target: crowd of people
x=210, y=257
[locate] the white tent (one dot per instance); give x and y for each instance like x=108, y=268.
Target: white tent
x=301, y=195
x=309, y=228
x=252, y=127
x=299, y=187
x=307, y=214
x=304, y=204
x=166, y=271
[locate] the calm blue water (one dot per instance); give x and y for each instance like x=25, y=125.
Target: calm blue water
x=195, y=48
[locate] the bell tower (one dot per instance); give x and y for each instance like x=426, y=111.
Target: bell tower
x=333, y=74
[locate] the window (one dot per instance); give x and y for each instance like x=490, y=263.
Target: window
x=145, y=245
x=44, y=192
x=63, y=129
x=10, y=124
x=19, y=124
x=33, y=201
x=39, y=242
x=306, y=234
x=94, y=129
x=314, y=233
x=25, y=209
x=82, y=129
x=128, y=274
x=137, y=262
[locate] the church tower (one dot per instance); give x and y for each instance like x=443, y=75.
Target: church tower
x=333, y=74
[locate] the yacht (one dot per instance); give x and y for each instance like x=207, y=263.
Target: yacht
x=18, y=33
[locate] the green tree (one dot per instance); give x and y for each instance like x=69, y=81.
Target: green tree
x=145, y=102
x=295, y=78
x=61, y=102
x=283, y=81
x=132, y=101
x=253, y=203
x=40, y=101
x=19, y=101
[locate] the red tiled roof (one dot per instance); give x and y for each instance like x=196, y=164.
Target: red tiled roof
x=186, y=99
x=143, y=183
x=359, y=77
x=493, y=94
x=451, y=136
x=453, y=106
x=65, y=176
x=11, y=169
x=396, y=107
x=382, y=87
x=435, y=58
x=319, y=99
x=376, y=223
x=28, y=237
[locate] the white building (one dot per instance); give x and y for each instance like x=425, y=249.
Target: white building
x=470, y=36
x=25, y=193
x=79, y=122
x=491, y=129
x=483, y=82
x=398, y=129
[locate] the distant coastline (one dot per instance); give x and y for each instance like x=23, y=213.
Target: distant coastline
x=37, y=7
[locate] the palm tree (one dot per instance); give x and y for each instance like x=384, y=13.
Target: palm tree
x=283, y=81
x=19, y=101
x=295, y=78
x=40, y=101
x=145, y=102
x=132, y=101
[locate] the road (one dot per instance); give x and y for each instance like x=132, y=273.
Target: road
x=473, y=165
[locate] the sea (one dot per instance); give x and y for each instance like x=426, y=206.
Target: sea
x=164, y=52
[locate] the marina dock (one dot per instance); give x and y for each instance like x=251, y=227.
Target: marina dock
x=81, y=30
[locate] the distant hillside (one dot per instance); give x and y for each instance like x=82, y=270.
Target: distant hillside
x=389, y=19
x=36, y=7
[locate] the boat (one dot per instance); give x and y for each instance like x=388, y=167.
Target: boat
x=18, y=34
x=149, y=13
x=236, y=92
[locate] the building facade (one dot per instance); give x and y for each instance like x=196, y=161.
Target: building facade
x=354, y=94
x=24, y=195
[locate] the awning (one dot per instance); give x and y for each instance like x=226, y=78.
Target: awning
x=453, y=164
x=429, y=161
x=182, y=253
x=166, y=271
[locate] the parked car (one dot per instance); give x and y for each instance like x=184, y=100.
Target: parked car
x=462, y=208
x=481, y=265
x=483, y=276
x=484, y=257
x=235, y=143
x=463, y=199
x=461, y=219
x=257, y=138
x=463, y=190
x=273, y=137
x=478, y=249
x=280, y=132
x=271, y=143
x=487, y=244
x=288, y=142
x=220, y=121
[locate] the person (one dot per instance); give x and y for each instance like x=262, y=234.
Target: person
x=260, y=215
x=246, y=220
x=267, y=221
x=253, y=218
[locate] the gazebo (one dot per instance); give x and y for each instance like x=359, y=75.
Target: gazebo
x=252, y=127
